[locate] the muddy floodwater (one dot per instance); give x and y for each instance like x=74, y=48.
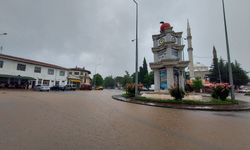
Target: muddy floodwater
x=80, y=120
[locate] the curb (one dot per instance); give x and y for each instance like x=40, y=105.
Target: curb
x=243, y=106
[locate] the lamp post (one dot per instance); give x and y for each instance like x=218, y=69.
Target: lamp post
x=176, y=73
x=3, y=33
x=136, y=51
x=228, y=55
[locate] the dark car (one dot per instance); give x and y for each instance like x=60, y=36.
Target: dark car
x=86, y=87
x=57, y=88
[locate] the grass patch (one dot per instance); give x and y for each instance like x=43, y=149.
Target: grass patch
x=189, y=102
x=126, y=95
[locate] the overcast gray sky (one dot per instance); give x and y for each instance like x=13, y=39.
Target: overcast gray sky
x=98, y=33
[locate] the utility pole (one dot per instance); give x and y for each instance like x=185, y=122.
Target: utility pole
x=228, y=55
x=136, y=51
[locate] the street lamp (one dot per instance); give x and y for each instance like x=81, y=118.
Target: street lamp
x=176, y=73
x=136, y=51
x=228, y=55
x=1, y=48
x=3, y=33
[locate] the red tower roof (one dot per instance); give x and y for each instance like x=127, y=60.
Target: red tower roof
x=164, y=26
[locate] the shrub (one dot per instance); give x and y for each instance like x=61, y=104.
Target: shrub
x=130, y=89
x=188, y=88
x=197, y=84
x=220, y=91
x=177, y=93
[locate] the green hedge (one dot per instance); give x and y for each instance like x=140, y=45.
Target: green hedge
x=189, y=102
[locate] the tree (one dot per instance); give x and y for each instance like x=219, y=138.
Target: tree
x=144, y=67
x=149, y=79
x=97, y=80
x=143, y=73
x=109, y=82
x=126, y=79
x=223, y=70
x=214, y=71
x=146, y=81
x=240, y=76
x=197, y=84
x=143, y=76
x=140, y=75
x=118, y=81
x=133, y=77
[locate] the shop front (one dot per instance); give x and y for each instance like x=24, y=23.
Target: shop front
x=75, y=82
x=21, y=82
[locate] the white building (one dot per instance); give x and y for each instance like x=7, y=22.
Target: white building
x=79, y=76
x=20, y=72
x=201, y=71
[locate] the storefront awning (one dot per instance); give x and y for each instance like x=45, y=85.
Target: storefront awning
x=16, y=77
x=27, y=78
x=74, y=80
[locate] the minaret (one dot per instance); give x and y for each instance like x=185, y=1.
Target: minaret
x=190, y=51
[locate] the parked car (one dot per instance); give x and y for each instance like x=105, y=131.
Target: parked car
x=152, y=87
x=70, y=87
x=2, y=85
x=86, y=87
x=42, y=88
x=57, y=88
x=144, y=89
x=244, y=90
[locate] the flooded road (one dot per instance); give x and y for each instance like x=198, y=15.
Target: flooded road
x=93, y=120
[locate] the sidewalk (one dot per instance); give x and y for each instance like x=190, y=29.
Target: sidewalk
x=242, y=106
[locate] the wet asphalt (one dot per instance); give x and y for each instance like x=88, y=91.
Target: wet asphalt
x=80, y=120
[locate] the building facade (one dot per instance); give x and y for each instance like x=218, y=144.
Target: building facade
x=79, y=76
x=169, y=65
x=20, y=72
x=201, y=71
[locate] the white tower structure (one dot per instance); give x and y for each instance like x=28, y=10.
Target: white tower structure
x=168, y=66
x=190, y=51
